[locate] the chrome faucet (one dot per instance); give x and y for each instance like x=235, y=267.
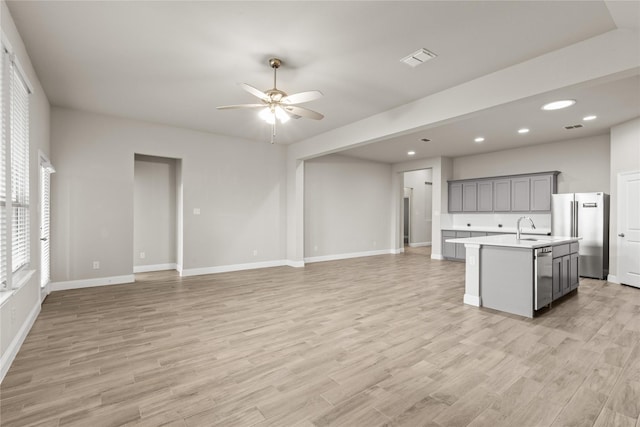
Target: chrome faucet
x=518, y=225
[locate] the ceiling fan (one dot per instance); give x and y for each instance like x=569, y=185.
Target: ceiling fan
x=276, y=105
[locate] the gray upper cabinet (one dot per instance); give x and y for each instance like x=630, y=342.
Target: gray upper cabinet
x=455, y=197
x=520, y=195
x=502, y=195
x=517, y=193
x=469, y=197
x=485, y=196
x=541, y=190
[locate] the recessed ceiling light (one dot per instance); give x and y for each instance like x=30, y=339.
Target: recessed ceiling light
x=557, y=105
x=411, y=153
x=479, y=139
x=523, y=130
x=587, y=118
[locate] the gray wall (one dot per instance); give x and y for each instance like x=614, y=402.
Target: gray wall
x=22, y=307
x=584, y=163
x=625, y=157
x=154, y=213
x=346, y=206
x=239, y=187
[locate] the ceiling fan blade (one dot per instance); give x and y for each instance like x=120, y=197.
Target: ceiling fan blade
x=253, y=91
x=299, y=98
x=304, y=112
x=227, y=107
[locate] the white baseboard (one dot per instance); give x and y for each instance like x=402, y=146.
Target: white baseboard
x=89, y=283
x=472, y=300
x=419, y=244
x=12, y=351
x=155, y=267
x=352, y=255
x=613, y=279
x=436, y=256
x=233, y=267
x=296, y=264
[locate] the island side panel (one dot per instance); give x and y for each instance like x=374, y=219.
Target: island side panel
x=506, y=279
x=472, y=275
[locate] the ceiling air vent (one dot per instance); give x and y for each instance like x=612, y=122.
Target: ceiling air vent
x=418, y=57
x=573, y=127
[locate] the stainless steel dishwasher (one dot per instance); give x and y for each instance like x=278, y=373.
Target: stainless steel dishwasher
x=543, y=285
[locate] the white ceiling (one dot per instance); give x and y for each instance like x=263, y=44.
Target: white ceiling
x=174, y=62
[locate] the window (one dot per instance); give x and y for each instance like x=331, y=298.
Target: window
x=14, y=172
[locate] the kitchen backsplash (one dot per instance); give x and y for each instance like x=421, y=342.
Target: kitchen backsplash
x=508, y=220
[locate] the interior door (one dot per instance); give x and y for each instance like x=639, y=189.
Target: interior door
x=45, y=215
x=629, y=228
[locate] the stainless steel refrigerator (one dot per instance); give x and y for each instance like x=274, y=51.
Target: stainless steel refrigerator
x=584, y=215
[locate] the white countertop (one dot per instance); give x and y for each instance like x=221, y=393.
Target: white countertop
x=509, y=240
x=489, y=229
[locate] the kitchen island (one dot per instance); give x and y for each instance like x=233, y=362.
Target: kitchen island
x=519, y=276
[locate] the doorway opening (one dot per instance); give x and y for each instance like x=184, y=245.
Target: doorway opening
x=417, y=207
x=157, y=214
x=46, y=169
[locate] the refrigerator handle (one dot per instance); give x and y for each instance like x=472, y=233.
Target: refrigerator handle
x=572, y=219
x=575, y=220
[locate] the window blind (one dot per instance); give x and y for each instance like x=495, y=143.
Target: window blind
x=19, y=136
x=3, y=187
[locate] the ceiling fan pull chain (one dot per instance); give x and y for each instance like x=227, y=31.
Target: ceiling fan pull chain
x=273, y=132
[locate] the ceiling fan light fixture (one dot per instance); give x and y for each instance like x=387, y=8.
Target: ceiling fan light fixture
x=268, y=116
x=281, y=114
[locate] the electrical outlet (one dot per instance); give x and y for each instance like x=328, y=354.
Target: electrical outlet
x=255, y=252
x=196, y=211
x=143, y=255
x=96, y=265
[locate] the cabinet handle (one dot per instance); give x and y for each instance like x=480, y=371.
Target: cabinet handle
x=621, y=235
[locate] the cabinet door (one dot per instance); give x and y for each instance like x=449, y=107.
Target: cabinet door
x=469, y=197
x=520, y=195
x=455, y=197
x=566, y=269
x=502, y=195
x=448, y=249
x=556, y=278
x=541, y=193
x=461, y=251
x=485, y=196
x=574, y=279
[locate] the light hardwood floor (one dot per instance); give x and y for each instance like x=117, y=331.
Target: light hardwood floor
x=373, y=341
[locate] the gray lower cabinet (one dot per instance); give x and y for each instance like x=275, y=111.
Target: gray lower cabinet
x=565, y=270
x=457, y=251
x=448, y=249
